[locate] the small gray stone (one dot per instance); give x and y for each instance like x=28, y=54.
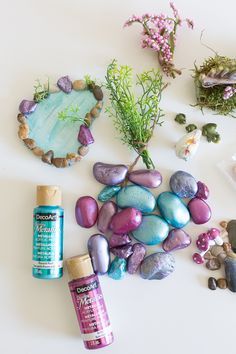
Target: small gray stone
x=157, y=266
x=213, y=264
x=47, y=158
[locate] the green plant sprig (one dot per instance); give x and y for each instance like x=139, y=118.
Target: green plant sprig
x=135, y=119
x=70, y=114
x=41, y=92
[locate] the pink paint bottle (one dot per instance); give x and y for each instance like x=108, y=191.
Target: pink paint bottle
x=89, y=303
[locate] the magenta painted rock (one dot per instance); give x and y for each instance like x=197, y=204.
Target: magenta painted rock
x=146, y=178
x=65, y=84
x=176, y=240
x=199, y=211
x=119, y=240
x=105, y=214
x=27, y=107
x=86, y=211
x=109, y=174
x=85, y=136
x=136, y=258
x=126, y=220
x=122, y=251
x=203, y=191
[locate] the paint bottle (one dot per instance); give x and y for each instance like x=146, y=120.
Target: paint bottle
x=89, y=303
x=48, y=234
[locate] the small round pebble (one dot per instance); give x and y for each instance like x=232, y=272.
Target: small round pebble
x=213, y=264
x=212, y=283
x=183, y=184
x=222, y=283
x=79, y=85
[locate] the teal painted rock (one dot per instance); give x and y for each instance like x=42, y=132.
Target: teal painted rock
x=152, y=231
x=136, y=197
x=173, y=210
x=108, y=192
x=117, y=268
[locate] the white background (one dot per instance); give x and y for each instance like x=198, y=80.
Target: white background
x=56, y=37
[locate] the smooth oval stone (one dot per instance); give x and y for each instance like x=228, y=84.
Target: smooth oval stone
x=108, y=192
x=157, y=266
x=122, y=251
x=136, y=197
x=173, y=210
x=230, y=272
x=183, y=184
x=213, y=264
x=212, y=283
x=199, y=210
x=119, y=240
x=222, y=283
x=86, y=211
x=176, y=240
x=125, y=221
x=136, y=258
x=231, y=229
x=146, y=178
x=99, y=253
x=117, y=268
x=109, y=174
x=105, y=214
x=152, y=231
x=202, y=191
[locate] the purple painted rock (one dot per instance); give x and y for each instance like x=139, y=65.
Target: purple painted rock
x=105, y=214
x=85, y=136
x=119, y=240
x=109, y=174
x=199, y=211
x=65, y=84
x=146, y=178
x=27, y=107
x=176, y=240
x=99, y=252
x=203, y=191
x=136, y=258
x=86, y=211
x=126, y=220
x=122, y=251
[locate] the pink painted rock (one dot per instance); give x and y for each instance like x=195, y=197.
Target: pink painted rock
x=85, y=136
x=136, y=258
x=119, y=240
x=86, y=211
x=126, y=220
x=106, y=212
x=176, y=240
x=199, y=211
x=146, y=178
x=203, y=191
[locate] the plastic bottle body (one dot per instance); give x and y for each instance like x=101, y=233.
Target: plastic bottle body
x=91, y=312
x=48, y=242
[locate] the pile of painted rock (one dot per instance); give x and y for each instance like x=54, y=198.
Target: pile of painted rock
x=135, y=213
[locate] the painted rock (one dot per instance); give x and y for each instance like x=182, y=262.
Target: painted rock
x=136, y=197
x=125, y=221
x=65, y=84
x=212, y=283
x=199, y=210
x=109, y=174
x=119, y=240
x=157, y=266
x=117, y=268
x=202, y=190
x=231, y=229
x=176, y=240
x=99, y=253
x=188, y=145
x=146, y=178
x=108, y=192
x=86, y=211
x=85, y=136
x=173, y=210
x=106, y=212
x=152, y=231
x=122, y=251
x=136, y=258
x=27, y=107
x=183, y=184
x=230, y=272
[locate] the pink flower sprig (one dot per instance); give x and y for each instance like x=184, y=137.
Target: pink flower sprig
x=159, y=34
x=229, y=91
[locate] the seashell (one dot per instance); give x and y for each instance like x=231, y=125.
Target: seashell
x=187, y=146
x=218, y=76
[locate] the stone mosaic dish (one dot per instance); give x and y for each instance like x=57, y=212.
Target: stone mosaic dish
x=55, y=125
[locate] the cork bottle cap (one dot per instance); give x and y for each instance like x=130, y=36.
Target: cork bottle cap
x=79, y=266
x=48, y=195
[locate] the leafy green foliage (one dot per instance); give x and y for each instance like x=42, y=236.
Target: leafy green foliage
x=70, y=114
x=135, y=119
x=41, y=92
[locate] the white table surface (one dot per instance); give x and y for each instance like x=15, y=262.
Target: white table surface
x=59, y=37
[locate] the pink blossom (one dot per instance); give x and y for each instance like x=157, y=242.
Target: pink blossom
x=229, y=91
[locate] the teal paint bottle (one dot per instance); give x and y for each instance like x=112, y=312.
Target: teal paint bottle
x=48, y=234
